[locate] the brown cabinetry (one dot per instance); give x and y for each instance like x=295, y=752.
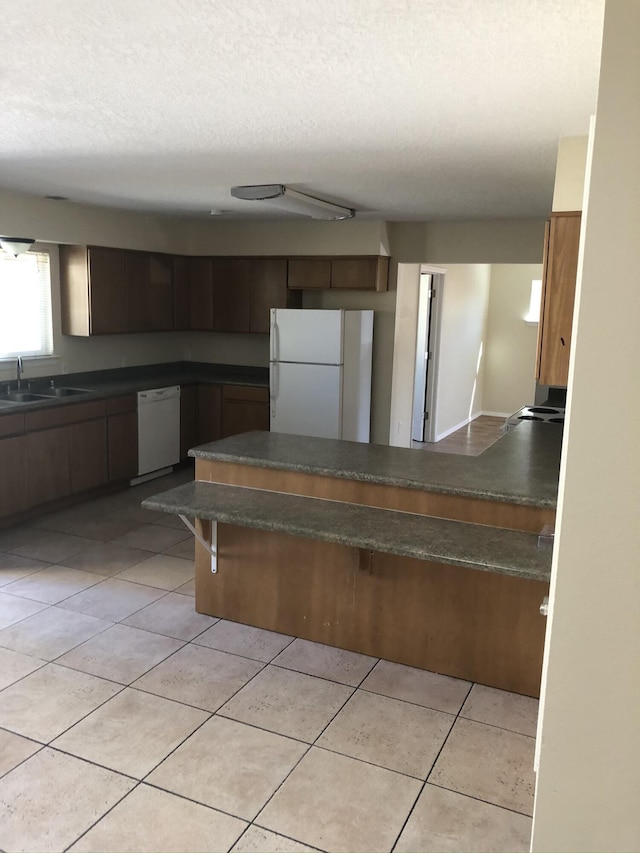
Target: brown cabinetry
x=48, y=475
x=231, y=294
x=244, y=408
x=189, y=436
x=111, y=291
x=14, y=496
x=209, y=413
x=87, y=455
x=562, y=239
x=122, y=437
x=200, y=271
x=342, y=273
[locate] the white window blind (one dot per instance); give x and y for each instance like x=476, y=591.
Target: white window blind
x=25, y=305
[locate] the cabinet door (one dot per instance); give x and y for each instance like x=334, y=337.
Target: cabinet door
x=122, y=440
x=244, y=408
x=268, y=290
x=188, y=419
x=358, y=273
x=122, y=437
x=87, y=455
x=560, y=272
x=201, y=293
x=209, y=413
x=231, y=294
x=47, y=465
x=309, y=273
x=14, y=496
x=107, y=291
x=180, y=293
x=160, y=292
x=136, y=271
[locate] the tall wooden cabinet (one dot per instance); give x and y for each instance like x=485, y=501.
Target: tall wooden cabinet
x=560, y=265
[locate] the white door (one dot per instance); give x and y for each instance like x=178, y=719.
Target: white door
x=306, y=336
x=306, y=399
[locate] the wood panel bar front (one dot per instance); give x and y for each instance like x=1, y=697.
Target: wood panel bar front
x=512, y=516
x=480, y=626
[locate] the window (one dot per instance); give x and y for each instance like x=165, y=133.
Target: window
x=25, y=305
x=533, y=315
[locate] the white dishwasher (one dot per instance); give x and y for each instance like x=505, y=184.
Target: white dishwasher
x=158, y=429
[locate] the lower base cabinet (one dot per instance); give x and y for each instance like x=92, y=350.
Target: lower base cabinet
x=48, y=475
x=244, y=408
x=87, y=455
x=14, y=496
x=122, y=437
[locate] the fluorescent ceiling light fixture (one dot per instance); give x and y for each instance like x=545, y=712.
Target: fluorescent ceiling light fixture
x=292, y=201
x=16, y=245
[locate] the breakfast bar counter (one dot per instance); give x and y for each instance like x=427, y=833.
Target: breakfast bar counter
x=431, y=560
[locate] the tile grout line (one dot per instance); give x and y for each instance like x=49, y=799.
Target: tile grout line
x=433, y=764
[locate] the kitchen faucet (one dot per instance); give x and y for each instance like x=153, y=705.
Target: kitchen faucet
x=19, y=372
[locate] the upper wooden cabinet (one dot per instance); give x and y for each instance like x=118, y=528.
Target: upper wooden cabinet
x=200, y=284
x=343, y=273
x=93, y=285
x=231, y=294
x=110, y=291
x=560, y=265
x=268, y=279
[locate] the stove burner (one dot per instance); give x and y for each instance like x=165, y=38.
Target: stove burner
x=556, y=420
x=529, y=417
x=542, y=410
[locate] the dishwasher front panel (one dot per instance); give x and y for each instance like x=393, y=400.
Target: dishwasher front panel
x=158, y=429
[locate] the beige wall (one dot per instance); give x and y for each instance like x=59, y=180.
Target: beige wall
x=570, y=172
x=511, y=342
x=66, y=222
x=287, y=237
x=490, y=241
x=588, y=784
x=460, y=356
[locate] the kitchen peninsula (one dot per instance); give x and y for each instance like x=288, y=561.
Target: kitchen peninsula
x=431, y=560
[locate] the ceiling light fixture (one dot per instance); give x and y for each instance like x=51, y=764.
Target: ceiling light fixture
x=292, y=201
x=16, y=245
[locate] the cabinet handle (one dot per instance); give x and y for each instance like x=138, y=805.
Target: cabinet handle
x=562, y=341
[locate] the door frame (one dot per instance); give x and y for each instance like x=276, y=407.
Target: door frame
x=404, y=351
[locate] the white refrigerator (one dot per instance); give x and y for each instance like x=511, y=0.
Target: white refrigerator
x=320, y=372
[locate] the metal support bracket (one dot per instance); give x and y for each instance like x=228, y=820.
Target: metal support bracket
x=211, y=547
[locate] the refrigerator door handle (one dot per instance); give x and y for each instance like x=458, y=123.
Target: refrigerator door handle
x=273, y=386
x=274, y=337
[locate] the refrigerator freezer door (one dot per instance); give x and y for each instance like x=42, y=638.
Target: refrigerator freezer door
x=310, y=337
x=306, y=399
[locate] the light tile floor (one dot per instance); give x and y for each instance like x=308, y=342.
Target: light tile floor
x=129, y=722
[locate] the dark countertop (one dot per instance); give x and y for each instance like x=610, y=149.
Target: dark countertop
x=472, y=546
x=522, y=467
x=101, y=384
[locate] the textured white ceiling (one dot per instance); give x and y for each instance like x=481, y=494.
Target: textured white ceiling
x=403, y=109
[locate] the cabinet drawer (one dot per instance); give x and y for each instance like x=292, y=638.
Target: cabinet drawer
x=47, y=418
x=11, y=425
x=119, y=405
x=250, y=393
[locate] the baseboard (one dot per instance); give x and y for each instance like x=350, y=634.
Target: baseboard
x=439, y=436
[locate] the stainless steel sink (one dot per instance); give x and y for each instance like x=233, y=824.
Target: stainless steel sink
x=64, y=392
x=22, y=397
x=6, y=404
